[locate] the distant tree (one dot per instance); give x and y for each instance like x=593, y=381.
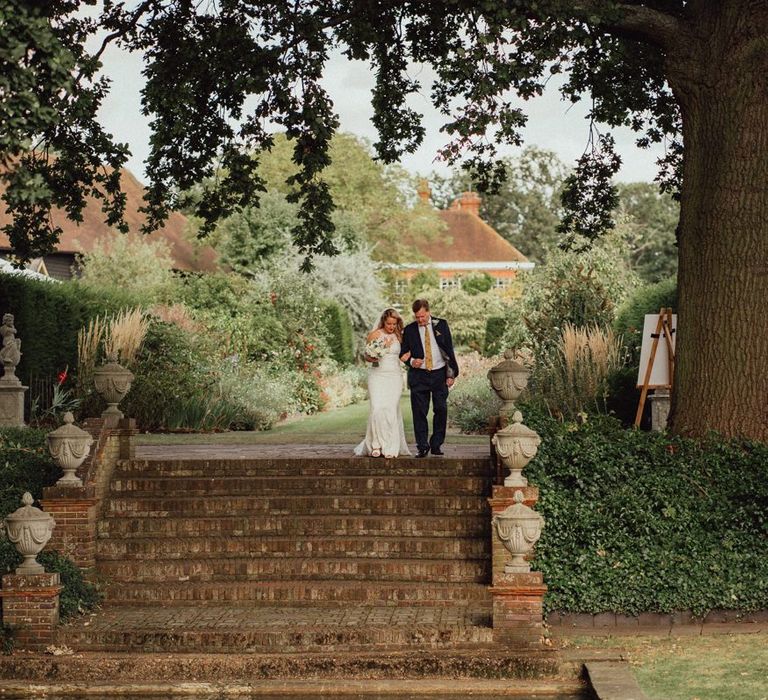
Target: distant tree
x=253, y=237
x=649, y=219
x=374, y=199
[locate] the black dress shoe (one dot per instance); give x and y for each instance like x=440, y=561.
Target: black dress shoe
x=422, y=453
x=438, y=452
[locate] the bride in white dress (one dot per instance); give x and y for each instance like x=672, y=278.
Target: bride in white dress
x=385, y=434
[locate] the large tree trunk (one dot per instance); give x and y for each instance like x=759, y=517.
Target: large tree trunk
x=720, y=76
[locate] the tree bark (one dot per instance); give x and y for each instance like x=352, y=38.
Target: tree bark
x=719, y=73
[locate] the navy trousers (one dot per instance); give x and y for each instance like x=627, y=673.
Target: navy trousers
x=426, y=386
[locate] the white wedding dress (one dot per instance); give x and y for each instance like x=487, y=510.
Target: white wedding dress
x=385, y=431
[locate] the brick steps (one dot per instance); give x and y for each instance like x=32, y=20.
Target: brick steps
x=295, y=569
x=291, y=592
x=298, y=525
x=294, y=554
x=336, y=467
x=230, y=506
x=367, y=484
x=191, y=548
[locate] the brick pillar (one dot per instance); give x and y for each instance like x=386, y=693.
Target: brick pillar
x=31, y=608
x=518, y=613
x=74, y=510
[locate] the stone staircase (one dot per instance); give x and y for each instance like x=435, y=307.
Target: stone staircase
x=265, y=555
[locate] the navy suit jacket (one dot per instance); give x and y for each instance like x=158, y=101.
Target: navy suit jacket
x=412, y=342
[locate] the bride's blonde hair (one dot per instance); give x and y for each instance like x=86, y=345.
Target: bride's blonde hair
x=392, y=313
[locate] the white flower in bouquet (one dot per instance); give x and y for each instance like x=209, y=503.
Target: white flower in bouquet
x=377, y=348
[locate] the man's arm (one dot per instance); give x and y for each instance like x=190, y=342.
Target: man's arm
x=451, y=353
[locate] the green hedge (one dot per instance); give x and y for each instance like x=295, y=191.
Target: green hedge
x=26, y=466
x=641, y=522
x=48, y=316
x=339, y=333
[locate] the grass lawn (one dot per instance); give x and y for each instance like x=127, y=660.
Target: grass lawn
x=344, y=426
x=709, y=667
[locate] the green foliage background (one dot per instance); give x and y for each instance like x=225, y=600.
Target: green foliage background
x=643, y=522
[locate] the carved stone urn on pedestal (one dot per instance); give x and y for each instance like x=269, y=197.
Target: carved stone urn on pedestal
x=113, y=382
x=516, y=445
x=69, y=446
x=508, y=379
x=29, y=528
x=519, y=528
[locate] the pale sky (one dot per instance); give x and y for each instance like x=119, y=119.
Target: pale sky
x=553, y=124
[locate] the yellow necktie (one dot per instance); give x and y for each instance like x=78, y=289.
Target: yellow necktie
x=427, y=348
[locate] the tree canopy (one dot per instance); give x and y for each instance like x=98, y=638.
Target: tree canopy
x=221, y=77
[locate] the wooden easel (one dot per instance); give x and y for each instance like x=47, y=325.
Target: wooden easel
x=663, y=330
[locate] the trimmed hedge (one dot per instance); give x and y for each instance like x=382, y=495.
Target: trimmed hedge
x=48, y=316
x=26, y=466
x=642, y=522
x=339, y=333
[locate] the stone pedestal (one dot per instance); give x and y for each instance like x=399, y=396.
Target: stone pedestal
x=518, y=609
x=31, y=608
x=660, y=405
x=11, y=404
x=518, y=614
x=74, y=510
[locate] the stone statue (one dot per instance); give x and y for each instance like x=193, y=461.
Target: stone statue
x=10, y=353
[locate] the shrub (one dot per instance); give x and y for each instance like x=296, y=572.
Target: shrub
x=339, y=333
x=134, y=263
x=170, y=369
x=641, y=522
x=472, y=402
x=580, y=288
x=472, y=405
x=342, y=386
x=477, y=284
x=494, y=333
x=467, y=314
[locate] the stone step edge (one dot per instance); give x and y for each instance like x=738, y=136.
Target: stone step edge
x=439, y=688
x=138, y=542
x=263, y=668
x=107, y=557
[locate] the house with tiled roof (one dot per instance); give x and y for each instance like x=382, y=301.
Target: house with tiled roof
x=78, y=238
x=467, y=246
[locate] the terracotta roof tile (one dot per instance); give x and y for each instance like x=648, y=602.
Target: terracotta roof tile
x=80, y=238
x=467, y=238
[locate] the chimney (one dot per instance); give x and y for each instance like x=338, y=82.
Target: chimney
x=470, y=201
x=424, y=191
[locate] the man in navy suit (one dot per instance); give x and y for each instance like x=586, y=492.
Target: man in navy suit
x=432, y=370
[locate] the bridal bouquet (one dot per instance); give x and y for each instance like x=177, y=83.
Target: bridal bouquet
x=376, y=349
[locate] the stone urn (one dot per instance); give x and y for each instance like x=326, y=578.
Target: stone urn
x=112, y=381
x=29, y=528
x=519, y=528
x=516, y=445
x=69, y=446
x=508, y=379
